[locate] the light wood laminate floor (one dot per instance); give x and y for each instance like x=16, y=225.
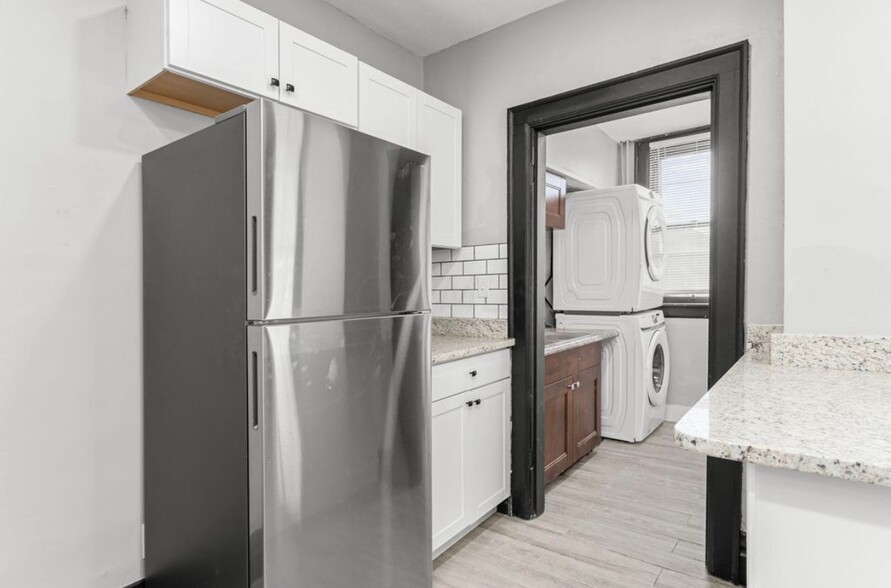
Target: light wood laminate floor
x=626, y=515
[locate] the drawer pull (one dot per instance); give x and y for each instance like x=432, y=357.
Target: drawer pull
x=470, y=403
x=477, y=401
x=473, y=373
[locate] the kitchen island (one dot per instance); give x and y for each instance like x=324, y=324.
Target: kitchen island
x=817, y=448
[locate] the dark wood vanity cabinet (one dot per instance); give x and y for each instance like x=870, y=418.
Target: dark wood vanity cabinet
x=555, y=197
x=572, y=407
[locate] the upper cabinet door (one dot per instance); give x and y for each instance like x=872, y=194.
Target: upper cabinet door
x=227, y=41
x=388, y=108
x=318, y=77
x=439, y=133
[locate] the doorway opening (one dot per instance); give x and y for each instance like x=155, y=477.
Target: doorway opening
x=719, y=79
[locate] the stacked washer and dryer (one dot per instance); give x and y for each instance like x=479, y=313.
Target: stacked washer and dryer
x=609, y=266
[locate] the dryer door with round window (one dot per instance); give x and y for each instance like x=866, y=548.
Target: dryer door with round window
x=657, y=368
x=654, y=243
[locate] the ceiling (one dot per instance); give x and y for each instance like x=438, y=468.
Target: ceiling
x=427, y=26
x=658, y=122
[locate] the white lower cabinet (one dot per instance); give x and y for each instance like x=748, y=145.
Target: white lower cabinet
x=470, y=453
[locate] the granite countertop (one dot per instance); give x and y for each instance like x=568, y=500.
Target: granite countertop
x=557, y=340
x=457, y=338
x=449, y=348
x=831, y=422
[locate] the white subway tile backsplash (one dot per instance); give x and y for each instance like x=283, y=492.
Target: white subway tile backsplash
x=451, y=297
x=463, y=254
x=462, y=311
x=474, y=267
x=497, y=297
x=459, y=275
x=470, y=297
x=497, y=266
x=487, y=311
x=486, y=252
x=463, y=283
x=486, y=281
x=453, y=268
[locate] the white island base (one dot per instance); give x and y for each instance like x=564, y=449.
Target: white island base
x=814, y=531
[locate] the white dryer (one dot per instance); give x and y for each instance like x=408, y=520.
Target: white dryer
x=635, y=370
x=611, y=255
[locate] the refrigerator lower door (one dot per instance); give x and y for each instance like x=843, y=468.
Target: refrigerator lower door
x=339, y=441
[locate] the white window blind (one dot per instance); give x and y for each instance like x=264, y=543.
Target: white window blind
x=680, y=170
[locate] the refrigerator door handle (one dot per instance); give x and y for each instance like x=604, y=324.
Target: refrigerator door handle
x=255, y=391
x=253, y=255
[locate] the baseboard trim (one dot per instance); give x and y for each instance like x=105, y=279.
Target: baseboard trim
x=136, y=584
x=674, y=412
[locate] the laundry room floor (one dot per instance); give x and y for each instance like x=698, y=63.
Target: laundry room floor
x=627, y=515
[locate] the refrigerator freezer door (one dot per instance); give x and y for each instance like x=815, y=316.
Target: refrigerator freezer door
x=338, y=220
x=340, y=475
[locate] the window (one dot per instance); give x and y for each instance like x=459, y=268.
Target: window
x=680, y=170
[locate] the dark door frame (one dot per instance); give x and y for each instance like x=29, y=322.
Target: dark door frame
x=723, y=73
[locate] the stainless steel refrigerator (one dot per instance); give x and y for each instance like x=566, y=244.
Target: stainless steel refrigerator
x=287, y=359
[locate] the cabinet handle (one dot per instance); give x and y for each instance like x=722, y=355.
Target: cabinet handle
x=274, y=82
x=289, y=87
x=470, y=403
x=477, y=401
x=578, y=384
x=473, y=374
x=571, y=386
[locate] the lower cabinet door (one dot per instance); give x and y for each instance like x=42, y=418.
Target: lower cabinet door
x=449, y=468
x=586, y=412
x=558, y=446
x=488, y=446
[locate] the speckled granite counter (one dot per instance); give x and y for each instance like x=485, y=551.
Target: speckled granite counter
x=449, y=348
x=831, y=422
x=557, y=340
x=457, y=338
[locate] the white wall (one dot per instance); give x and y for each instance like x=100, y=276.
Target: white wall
x=838, y=199
x=587, y=154
x=688, y=351
x=583, y=41
x=330, y=24
x=70, y=331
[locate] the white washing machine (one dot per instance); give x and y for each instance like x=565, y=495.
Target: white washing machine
x=635, y=370
x=611, y=255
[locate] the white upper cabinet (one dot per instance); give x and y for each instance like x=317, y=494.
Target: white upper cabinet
x=227, y=41
x=440, y=136
x=388, y=108
x=318, y=77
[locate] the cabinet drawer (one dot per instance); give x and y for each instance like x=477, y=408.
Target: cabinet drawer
x=589, y=356
x=466, y=374
x=561, y=365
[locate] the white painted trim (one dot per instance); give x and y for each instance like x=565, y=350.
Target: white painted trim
x=674, y=412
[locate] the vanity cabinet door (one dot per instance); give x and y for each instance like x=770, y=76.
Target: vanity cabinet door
x=488, y=444
x=586, y=412
x=558, y=446
x=227, y=41
x=440, y=136
x=318, y=77
x=555, y=201
x=388, y=108
x=449, y=468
